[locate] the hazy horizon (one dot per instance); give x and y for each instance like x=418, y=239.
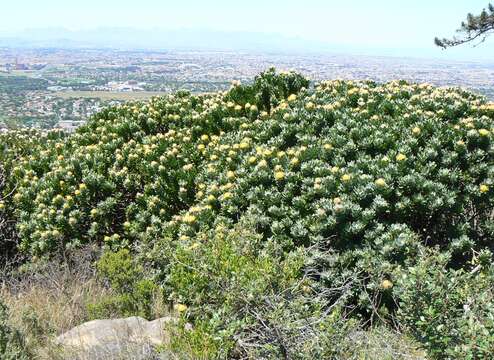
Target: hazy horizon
x=384, y=27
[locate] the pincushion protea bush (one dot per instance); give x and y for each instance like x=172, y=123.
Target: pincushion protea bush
x=363, y=177
x=15, y=149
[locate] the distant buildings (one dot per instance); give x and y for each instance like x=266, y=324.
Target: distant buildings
x=19, y=66
x=126, y=86
x=70, y=125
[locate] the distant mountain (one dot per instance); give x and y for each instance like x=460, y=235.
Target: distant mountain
x=125, y=38
x=128, y=38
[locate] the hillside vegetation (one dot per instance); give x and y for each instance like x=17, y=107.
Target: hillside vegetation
x=282, y=219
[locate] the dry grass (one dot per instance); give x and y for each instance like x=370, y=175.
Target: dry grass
x=47, y=299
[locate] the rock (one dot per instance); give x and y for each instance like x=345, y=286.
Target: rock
x=129, y=338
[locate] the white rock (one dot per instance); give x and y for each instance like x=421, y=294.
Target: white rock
x=129, y=338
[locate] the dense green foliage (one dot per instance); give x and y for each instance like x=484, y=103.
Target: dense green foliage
x=449, y=310
x=15, y=148
x=133, y=293
x=274, y=203
x=12, y=84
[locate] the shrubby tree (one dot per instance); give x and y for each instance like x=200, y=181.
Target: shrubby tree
x=476, y=27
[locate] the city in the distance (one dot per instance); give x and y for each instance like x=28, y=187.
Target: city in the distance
x=46, y=86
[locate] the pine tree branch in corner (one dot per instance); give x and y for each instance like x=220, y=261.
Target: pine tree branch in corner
x=476, y=27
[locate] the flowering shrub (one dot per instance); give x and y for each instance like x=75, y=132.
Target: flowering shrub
x=368, y=174
x=345, y=159
x=15, y=148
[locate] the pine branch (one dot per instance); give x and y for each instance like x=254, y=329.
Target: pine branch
x=476, y=27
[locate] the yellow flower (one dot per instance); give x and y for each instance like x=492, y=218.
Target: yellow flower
x=180, y=307
x=294, y=161
x=230, y=175
x=82, y=186
x=484, y=132
x=244, y=145
x=416, y=130
x=346, y=177
x=401, y=157
x=386, y=284
x=252, y=160
x=380, y=182
x=2, y=205
x=335, y=169
x=484, y=188
x=194, y=246
x=227, y=195
x=279, y=175
x=310, y=105
x=292, y=97
x=328, y=146
x=337, y=201
x=211, y=198
x=205, y=137
x=201, y=147
x=189, y=219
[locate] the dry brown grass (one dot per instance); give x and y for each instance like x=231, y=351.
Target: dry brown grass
x=49, y=298
x=45, y=299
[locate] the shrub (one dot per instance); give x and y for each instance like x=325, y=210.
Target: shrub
x=450, y=311
x=132, y=294
x=361, y=178
x=246, y=302
x=346, y=160
x=15, y=149
x=250, y=303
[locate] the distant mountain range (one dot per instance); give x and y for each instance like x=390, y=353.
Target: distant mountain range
x=125, y=38
x=154, y=39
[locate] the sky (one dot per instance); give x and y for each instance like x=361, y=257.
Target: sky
x=405, y=27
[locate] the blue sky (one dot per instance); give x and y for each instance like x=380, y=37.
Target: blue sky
x=406, y=26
